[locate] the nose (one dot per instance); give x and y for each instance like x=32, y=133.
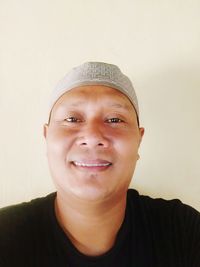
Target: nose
x=92, y=136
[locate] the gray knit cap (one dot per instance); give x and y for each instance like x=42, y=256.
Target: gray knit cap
x=95, y=73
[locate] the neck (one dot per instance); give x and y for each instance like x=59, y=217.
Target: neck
x=91, y=227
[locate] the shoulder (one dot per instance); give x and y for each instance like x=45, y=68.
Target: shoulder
x=159, y=205
x=162, y=214
x=18, y=220
x=22, y=230
x=23, y=211
x=169, y=224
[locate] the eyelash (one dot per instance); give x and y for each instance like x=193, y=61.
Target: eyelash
x=111, y=120
x=73, y=119
x=115, y=120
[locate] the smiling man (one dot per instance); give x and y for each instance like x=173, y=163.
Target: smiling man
x=93, y=136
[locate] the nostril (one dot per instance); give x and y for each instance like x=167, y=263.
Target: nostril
x=92, y=141
x=83, y=144
x=87, y=144
x=100, y=144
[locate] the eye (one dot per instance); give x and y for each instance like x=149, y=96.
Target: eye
x=114, y=120
x=72, y=119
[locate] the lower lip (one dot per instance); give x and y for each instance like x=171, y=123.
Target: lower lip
x=92, y=168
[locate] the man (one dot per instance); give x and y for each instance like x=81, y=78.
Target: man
x=93, y=135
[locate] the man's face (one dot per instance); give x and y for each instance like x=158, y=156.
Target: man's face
x=92, y=143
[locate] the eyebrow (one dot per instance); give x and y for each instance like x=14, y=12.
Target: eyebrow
x=74, y=104
x=120, y=106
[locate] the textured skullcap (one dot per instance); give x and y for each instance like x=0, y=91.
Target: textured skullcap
x=95, y=73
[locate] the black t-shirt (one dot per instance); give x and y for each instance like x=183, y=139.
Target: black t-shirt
x=155, y=233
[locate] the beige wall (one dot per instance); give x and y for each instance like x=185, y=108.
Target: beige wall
x=157, y=43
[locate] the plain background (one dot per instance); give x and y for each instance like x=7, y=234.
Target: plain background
x=156, y=43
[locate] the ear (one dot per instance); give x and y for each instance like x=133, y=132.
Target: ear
x=141, y=131
x=45, y=130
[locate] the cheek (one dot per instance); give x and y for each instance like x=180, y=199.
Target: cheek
x=127, y=146
x=58, y=142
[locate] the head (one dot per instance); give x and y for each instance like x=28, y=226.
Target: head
x=93, y=136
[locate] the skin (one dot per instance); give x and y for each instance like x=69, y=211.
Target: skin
x=92, y=148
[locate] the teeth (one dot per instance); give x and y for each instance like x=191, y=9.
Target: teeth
x=91, y=164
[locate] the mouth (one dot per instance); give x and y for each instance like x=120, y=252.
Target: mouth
x=97, y=165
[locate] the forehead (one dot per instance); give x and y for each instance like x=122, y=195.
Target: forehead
x=97, y=94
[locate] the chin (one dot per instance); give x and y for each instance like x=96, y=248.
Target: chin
x=90, y=193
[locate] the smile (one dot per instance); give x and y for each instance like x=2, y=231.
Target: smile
x=83, y=164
